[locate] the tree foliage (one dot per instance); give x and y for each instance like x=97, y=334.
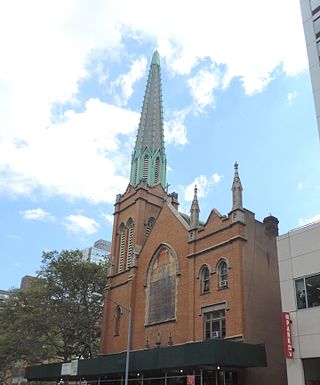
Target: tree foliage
x=58, y=317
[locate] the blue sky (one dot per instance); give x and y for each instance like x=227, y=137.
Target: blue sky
x=236, y=87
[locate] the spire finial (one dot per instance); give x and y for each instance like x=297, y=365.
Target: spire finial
x=236, y=189
x=194, y=210
x=155, y=58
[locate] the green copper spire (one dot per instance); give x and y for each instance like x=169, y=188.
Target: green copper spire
x=149, y=158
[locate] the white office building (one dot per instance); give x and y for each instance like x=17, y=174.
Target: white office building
x=299, y=269
x=100, y=250
x=310, y=11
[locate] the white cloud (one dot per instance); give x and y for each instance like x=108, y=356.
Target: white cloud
x=291, y=97
x=81, y=224
x=69, y=158
x=300, y=185
x=37, y=214
x=305, y=221
x=233, y=33
x=204, y=186
x=203, y=85
x=125, y=82
x=175, y=129
x=109, y=218
x=216, y=178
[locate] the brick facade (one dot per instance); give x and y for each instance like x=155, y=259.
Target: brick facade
x=250, y=299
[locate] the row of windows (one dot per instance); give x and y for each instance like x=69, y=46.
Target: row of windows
x=222, y=271
x=126, y=232
x=308, y=291
x=161, y=287
x=145, y=169
x=214, y=322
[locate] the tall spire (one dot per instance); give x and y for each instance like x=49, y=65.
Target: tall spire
x=236, y=190
x=149, y=158
x=195, y=210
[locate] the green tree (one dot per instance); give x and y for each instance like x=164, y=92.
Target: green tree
x=58, y=317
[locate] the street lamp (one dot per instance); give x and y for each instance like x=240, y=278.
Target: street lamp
x=128, y=309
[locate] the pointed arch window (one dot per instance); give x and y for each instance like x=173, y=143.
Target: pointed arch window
x=122, y=245
x=145, y=167
x=117, y=317
x=157, y=170
x=222, y=274
x=130, y=227
x=162, y=286
x=204, y=280
x=149, y=226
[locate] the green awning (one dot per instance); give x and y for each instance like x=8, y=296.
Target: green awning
x=198, y=354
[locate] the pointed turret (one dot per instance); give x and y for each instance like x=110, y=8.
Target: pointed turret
x=236, y=190
x=149, y=158
x=195, y=210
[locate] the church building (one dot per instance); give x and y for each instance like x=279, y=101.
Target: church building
x=193, y=288
x=187, y=302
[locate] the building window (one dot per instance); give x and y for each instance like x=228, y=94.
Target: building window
x=214, y=322
x=316, y=25
x=222, y=274
x=130, y=227
x=308, y=291
x=122, y=245
x=117, y=320
x=205, y=280
x=162, y=286
x=314, y=5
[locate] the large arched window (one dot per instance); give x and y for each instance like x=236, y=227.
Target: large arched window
x=222, y=271
x=204, y=280
x=117, y=316
x=122, y=245
x=162, y=285
x=130, y=228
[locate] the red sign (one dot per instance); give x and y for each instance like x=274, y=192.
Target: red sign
x=191, y=380
x=287, y=335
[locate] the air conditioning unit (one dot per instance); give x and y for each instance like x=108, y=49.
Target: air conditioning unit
x=224, y=283
x=215, y=335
